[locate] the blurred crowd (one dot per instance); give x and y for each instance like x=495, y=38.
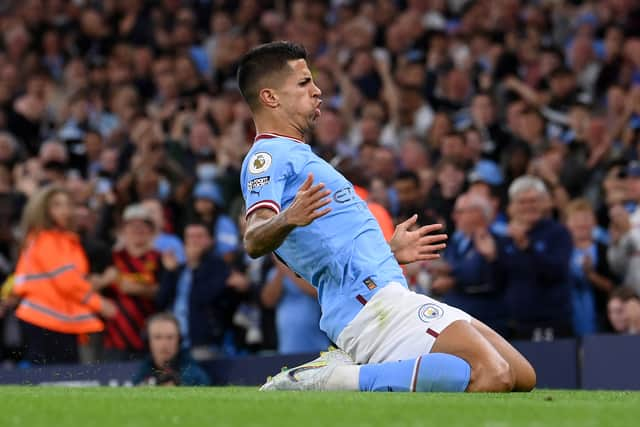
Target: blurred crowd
x=514, y=123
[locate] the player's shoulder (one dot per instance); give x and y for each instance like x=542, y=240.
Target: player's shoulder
x=275, y=150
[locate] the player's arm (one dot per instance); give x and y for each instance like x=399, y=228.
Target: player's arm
x=416, y=245
x=266, y=230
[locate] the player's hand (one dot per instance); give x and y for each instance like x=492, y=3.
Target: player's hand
x=308, y=203
x=416, y=245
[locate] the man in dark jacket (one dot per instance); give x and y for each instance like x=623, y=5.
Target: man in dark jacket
x=201, y=293
x=471, y=258
x=534, y=263
x=167, y=365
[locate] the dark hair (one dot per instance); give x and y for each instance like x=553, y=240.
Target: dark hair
x=622, y=293
x=483, y=93
x=449, y=161
x=264, y=61
x=534, y=111
x=454, y=134
x=196, y=222
x=408, y=175
x=552, y=50
x=561, y=71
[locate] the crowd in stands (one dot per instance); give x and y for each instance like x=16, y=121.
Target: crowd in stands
x=514, y=123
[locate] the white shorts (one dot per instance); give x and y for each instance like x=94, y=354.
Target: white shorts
x=396, y=324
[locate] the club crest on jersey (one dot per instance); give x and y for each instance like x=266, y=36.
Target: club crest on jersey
x=259, y=162
x=429, y=312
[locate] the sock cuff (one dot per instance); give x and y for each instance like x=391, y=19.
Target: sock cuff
x=441, y=372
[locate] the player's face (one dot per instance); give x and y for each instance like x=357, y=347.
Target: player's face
x=299, y=96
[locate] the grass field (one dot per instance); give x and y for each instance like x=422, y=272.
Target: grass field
x=238, y=406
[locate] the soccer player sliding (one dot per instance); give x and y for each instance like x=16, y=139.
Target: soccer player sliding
x=301, y=208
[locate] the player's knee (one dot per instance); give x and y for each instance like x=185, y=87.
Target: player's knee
x=526, y=380
x=504, y=379
x=494, y=376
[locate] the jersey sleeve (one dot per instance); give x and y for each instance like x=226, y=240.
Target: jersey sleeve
x=264, y=176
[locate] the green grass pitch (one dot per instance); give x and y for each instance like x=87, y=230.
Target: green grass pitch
x=243, y=406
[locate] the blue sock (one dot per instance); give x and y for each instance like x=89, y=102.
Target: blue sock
x=431, y=372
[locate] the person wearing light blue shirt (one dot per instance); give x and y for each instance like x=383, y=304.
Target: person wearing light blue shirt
x=163, y=241
x=224, y=230
x=297, y=312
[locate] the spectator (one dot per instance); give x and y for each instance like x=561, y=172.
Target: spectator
x=167, y=364
x=199, y=293
x=589, y=275
x=378, y=211
x=480, y=184
x=53, y=159
x=407, y=188
x=623, y=311
x=450, y=179
x=534, y=263
x=163, y=241
x=623, y=254
x=297, y=312
x=453, y=147
x=138, y=266
x=208, y=204
x=9, y=149
x=483, y=116
x=470, y=265
x=57, y=302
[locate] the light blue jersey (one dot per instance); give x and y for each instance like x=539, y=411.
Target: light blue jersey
x=343, y=254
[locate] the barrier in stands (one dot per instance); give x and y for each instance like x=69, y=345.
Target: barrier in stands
x=611, y=362
x=608, y=362
x=556, y=362
x=111, y=374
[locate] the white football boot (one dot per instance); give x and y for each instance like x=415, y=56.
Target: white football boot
x=312, y=375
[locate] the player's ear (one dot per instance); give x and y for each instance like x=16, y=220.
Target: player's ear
x=269, y=97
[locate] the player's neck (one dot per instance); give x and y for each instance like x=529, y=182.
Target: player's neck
x=274, y=126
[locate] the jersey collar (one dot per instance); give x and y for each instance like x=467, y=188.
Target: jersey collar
x=271, y=135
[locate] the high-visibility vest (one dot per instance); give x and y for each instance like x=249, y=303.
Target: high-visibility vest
x=379, y=213
x=50, y=279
